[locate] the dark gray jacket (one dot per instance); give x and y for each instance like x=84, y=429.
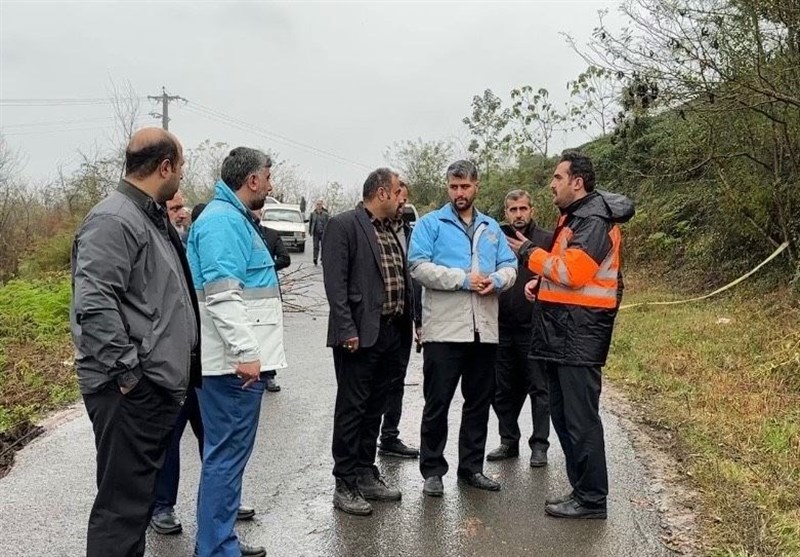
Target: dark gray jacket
x=317, y=222
x=133, y=312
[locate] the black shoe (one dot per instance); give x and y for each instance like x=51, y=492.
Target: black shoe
x=373, y=488
x=349, y=499
x=538, y=458
x=166, y=523
x=315, y=263
x=272, y=386
x=557, y=500
x=252, y=550
x=397, y=448
x=479, y=481
x=433, y=486
x=503, y=452
x=245, y=513
x=573, y=509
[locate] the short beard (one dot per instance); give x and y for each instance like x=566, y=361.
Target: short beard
x=257, y=204
x=166, y=192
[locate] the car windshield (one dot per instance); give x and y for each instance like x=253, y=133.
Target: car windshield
x=282, y=215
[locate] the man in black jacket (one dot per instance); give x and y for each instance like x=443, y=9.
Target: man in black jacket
x=317, y=223
x=577, y=298
x=517, y=376
x=369, y=329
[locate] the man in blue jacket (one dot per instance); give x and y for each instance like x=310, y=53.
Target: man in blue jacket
x=242, y=331
x=463, y=260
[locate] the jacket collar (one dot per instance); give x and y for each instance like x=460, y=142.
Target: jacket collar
x=448, y=213
x=365, y=220
x=147, y=204
x=225, y=194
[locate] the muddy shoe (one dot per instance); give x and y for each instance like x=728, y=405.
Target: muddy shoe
x=348, y=499
x=538, y=458
x=433, y=487
x=573, y=509
x=503, y=452
x=373, y=488
x=397, y=448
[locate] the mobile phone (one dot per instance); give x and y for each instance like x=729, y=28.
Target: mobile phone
x=509, y=230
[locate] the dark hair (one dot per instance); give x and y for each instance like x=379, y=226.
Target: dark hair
x=145, y=161
x=240, y=163
x=379, y=178
x=197, y=209
x=580, y=166
x=514, y=195
x=462, y=169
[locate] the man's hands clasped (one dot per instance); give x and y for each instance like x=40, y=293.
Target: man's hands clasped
x=481, y=284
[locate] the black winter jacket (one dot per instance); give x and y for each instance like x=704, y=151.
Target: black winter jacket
x=515, y=310
x=572, y=334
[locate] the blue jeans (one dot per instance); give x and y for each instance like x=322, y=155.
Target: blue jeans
x=230, y=416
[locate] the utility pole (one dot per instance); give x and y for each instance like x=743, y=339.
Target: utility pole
x=165, y=100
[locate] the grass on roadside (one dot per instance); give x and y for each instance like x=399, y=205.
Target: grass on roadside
x=36, y=371
x=723, y=376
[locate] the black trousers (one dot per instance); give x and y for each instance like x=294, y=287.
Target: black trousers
x=131, y=435
x=517, y=378
x=362, y=378
x=444, y=363
x=393, y=409
x=575, y=411
x=169, y=477
x=317, y=238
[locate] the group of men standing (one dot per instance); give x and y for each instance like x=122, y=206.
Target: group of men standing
x=143, y=305
x=546, y=338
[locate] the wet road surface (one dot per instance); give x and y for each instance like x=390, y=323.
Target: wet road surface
x=45, y=500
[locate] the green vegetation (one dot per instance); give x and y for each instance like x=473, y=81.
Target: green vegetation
x=723, y=377
x=36, y=371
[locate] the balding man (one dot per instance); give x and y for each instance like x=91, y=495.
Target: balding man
x=135, y=325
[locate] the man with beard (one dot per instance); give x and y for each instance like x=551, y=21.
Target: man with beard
x=242, y=333
x=516, y=375
x=369, y=331
x=165, y=521
x=135, y=326
x=462, y=259
x=178, y=215
x=577, y=299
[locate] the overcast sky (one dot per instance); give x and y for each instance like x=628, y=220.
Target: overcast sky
x=346, y=79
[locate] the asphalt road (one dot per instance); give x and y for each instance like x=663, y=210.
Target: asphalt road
x=45, y=500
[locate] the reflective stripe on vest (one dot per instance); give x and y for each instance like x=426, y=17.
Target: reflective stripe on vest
x=600, y=292
x=258, y=293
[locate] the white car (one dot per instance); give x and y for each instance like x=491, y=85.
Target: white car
x=287, y=221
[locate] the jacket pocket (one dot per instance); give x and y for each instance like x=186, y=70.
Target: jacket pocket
x=263, y=315
x=258, y=260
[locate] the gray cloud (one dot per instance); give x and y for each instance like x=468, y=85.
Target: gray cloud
x=349, y=78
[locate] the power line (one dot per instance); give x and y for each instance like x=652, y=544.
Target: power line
x=166, y=99
x=56, y=122
x=31, y=102
x=224, y=118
